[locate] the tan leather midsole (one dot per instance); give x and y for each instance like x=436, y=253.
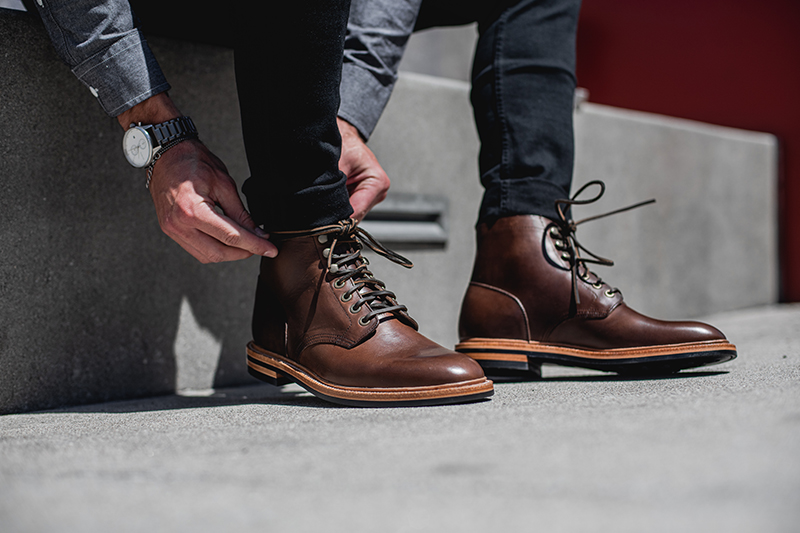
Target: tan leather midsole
x=377, y=394
x=518, y=351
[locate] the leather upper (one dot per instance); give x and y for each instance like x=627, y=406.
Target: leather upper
x=304, y=313
x=522, y=288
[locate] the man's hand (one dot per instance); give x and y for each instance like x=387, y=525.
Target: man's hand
x=196, y=200
x=367, y=182
x=199, y=207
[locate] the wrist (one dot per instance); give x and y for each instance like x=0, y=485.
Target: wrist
x=348, y=130
x=156, y=109
x=143, y=144
x=164, y=149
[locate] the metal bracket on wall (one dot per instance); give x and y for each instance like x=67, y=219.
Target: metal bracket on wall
x=409, y=221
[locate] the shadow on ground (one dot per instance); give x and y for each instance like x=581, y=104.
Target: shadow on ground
x=294, y=396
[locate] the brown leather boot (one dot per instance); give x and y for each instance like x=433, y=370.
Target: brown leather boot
x=322, y=320
x=532, y=300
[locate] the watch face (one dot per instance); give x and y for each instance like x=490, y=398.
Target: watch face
x=137, y=147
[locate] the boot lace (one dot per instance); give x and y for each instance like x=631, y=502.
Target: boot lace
x=563, y=232
x=345, y=262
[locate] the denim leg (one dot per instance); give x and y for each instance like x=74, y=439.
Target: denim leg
x=288, y=68
x=523, y=86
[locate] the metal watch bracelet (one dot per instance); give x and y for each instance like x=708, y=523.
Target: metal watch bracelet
x=161, y=152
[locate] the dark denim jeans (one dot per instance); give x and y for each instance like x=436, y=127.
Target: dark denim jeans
x=523, y=87
x=288, y=68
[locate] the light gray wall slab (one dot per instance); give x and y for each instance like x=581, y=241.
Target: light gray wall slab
x=444, y=52
x=95, y=302
x=710, y=242
x=707, y=245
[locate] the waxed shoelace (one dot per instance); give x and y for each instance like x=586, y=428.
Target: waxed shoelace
x=566, y=228
x=347, y=232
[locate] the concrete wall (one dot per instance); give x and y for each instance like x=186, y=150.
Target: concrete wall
x=443, y=52
x=709, y=243
x=96, y=303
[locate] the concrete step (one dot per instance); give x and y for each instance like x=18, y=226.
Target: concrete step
x=98, y=304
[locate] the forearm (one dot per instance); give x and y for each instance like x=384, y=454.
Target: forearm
x=156, y=109
x=377, y=33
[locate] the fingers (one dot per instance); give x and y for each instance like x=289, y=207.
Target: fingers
x=235, y=218
x=208, y=250
x=229, y=234
x=366, y=195
x=226, y=196
x=187, y=188
x=209, y=236
x=367, y=182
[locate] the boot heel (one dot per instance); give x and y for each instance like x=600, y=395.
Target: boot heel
x=502, y=359
x=264, y=373
x=504, y=371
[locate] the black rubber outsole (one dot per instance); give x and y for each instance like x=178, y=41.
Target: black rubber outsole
x=644, y=366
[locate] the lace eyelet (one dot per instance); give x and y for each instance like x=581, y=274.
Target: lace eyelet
x=609, y=293
x=598, y=285
x=554, y=232
x=346, y=297
x=362, y=322
x=559, y=243
x=355, y=308
x=338, y=283
x=566, y=256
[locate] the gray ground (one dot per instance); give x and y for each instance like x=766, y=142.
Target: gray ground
x=712, y=450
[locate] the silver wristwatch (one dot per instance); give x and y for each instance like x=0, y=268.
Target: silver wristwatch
x=142, y=144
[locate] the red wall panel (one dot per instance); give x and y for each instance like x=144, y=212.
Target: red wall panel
x=729, y=62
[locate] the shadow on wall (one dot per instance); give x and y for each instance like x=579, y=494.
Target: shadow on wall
x=97, y=303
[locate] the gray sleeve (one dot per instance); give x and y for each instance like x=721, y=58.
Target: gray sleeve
x=377, y=34
x=98, y=40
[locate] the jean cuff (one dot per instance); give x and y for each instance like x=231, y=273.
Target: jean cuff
x=521, y=196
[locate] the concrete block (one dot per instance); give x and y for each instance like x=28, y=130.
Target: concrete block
x=707, y=245
x=95, y=302
x=444, y=52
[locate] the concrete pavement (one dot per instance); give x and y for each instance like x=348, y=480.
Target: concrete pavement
x=706, y=450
